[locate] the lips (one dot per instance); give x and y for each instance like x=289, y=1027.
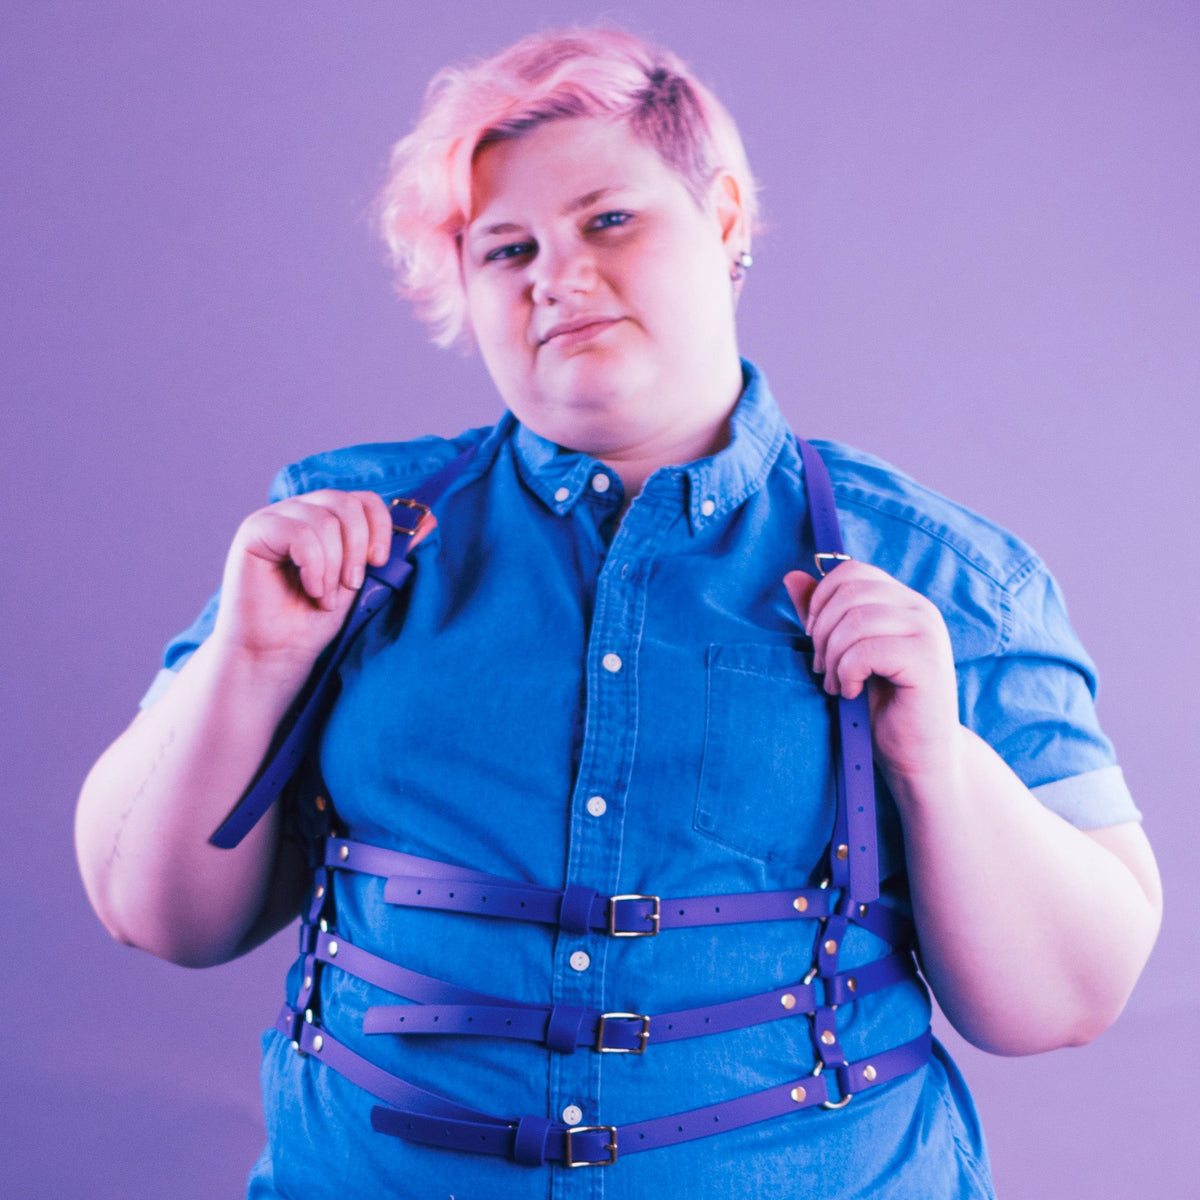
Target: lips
x=577, y=330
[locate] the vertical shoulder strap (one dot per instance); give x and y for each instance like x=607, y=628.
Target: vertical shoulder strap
x=854, y=857
x=297, y=729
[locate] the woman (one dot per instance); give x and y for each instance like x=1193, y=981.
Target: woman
x=607, y=685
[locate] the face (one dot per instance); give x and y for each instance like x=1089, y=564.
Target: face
x=599, y=290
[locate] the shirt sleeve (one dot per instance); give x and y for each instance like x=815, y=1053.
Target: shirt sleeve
x=184, y=644
x=1034, y=699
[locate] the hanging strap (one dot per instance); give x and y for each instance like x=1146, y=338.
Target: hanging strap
x=294, y=734
x=854, y=856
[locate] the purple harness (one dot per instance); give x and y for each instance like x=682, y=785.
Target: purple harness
x=847, y=897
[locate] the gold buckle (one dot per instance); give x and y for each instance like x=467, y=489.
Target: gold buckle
x=611, y=1147
x=652, y=917
x=825, y=556
x=413, y=504
x=643, y=1036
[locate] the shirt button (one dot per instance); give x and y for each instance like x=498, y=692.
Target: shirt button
x=597, y=806
x=601, y=482
x=708, y=507
x=572, y=1114
x=580, y=961
x=611, y=662
x=562, y=494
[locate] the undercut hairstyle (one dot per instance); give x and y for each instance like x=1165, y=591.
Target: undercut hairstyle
x=608, y=73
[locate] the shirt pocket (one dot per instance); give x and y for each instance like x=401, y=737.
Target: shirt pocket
x=766, y=778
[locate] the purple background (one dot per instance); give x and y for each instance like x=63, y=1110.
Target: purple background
x=983, y=264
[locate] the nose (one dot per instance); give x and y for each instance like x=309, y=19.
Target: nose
x=561, y=271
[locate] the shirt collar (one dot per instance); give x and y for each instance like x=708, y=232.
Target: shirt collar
x=715, y=485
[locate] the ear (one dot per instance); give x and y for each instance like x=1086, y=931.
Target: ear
x=731, y=216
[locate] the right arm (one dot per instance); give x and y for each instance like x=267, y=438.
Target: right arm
x=151, y=802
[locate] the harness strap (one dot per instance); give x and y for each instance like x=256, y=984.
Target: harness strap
x=565, y=1028
x=414, y=882
x=295, y=733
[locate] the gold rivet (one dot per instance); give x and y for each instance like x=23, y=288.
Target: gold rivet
x=828, y=1037
x=831, y=946
x=800, y=904
x=843, y=852
x=307, y=982
x=343, y=852
x=320, y=802
x=319, y=891
x=852, y=984
x=799, y=1095
x=323, y=925
x=869, y=1073
x=318, y=1042
x=332, y=949
x=787, y=1000
x=308, y=1015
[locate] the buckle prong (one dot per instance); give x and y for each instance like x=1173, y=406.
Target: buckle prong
x=416, y=506
x=653, y=917
x=643, y=1034
x=828, y=556
x=611, y=1130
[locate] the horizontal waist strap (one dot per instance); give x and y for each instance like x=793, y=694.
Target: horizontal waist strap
x=416, y=1115
x=414, y=882
x=565, y=1027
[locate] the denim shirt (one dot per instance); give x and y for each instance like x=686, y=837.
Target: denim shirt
x=562, y=697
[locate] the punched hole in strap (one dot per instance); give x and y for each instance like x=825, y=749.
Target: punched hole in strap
x=575, y=911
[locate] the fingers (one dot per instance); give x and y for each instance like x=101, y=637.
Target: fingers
x=327, y=536
x=863, y=622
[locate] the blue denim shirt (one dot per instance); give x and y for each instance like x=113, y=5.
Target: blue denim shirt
x=562, y=698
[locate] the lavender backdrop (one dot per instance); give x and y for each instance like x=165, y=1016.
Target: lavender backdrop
x=983, y=264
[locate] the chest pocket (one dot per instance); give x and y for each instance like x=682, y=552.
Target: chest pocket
x=766, y=780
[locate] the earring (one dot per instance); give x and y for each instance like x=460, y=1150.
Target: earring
x=741, y=265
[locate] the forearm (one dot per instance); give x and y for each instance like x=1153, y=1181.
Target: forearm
x=151, y=802
x=1031, y=933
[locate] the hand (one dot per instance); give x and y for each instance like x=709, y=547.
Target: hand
x=865, y=625
x=294, y=568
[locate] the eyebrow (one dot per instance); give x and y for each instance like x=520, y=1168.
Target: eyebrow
x=572, y=206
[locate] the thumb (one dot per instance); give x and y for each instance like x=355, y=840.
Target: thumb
x=800, y=587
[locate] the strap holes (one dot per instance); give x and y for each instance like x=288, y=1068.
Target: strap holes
x=418, y=893
x=680, y=1128
x=436, y=1020
x=681, y=912
x=858, y=766
x=717, y=908
x=522, y=903
x=507, y=1022
x=470, y=1020
x=451, y=895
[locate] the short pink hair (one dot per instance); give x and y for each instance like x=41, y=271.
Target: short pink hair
x=425, y=203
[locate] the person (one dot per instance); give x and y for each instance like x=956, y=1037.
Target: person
x=616, y=676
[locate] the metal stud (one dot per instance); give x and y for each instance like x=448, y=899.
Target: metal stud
x=862, y=910
x=317, y=1043
x=799, y=1095
x=843, y=852
x=307, y=982
x=788, y=1000
x=319, y=891
x=320, y=802
x=800, y=904
x=308, y=1015
x=296, y=1047
x=831, y=946
x=343, y=852
x=852, y=984
x=323, y=925
x=869, y=1073
x=828, y=1037
x=332, y=949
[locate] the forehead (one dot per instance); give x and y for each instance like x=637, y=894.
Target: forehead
x=562, y=164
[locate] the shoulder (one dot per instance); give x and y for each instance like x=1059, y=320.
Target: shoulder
x=384, y=467
x=976, y=571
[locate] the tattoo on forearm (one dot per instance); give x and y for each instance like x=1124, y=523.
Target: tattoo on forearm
x=115, y=851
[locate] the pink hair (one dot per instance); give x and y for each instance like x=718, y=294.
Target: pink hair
x=425, y=203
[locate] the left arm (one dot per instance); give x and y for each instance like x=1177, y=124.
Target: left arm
x=1032, y=933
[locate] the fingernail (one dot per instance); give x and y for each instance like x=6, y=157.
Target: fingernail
x=356, y=577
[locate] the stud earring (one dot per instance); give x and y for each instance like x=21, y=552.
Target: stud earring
x=741, y=265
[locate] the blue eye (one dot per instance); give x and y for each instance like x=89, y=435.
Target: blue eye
x=610, y=220
x=515, y=250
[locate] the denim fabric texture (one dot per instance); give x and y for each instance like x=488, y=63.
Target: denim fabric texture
x=560, y=698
